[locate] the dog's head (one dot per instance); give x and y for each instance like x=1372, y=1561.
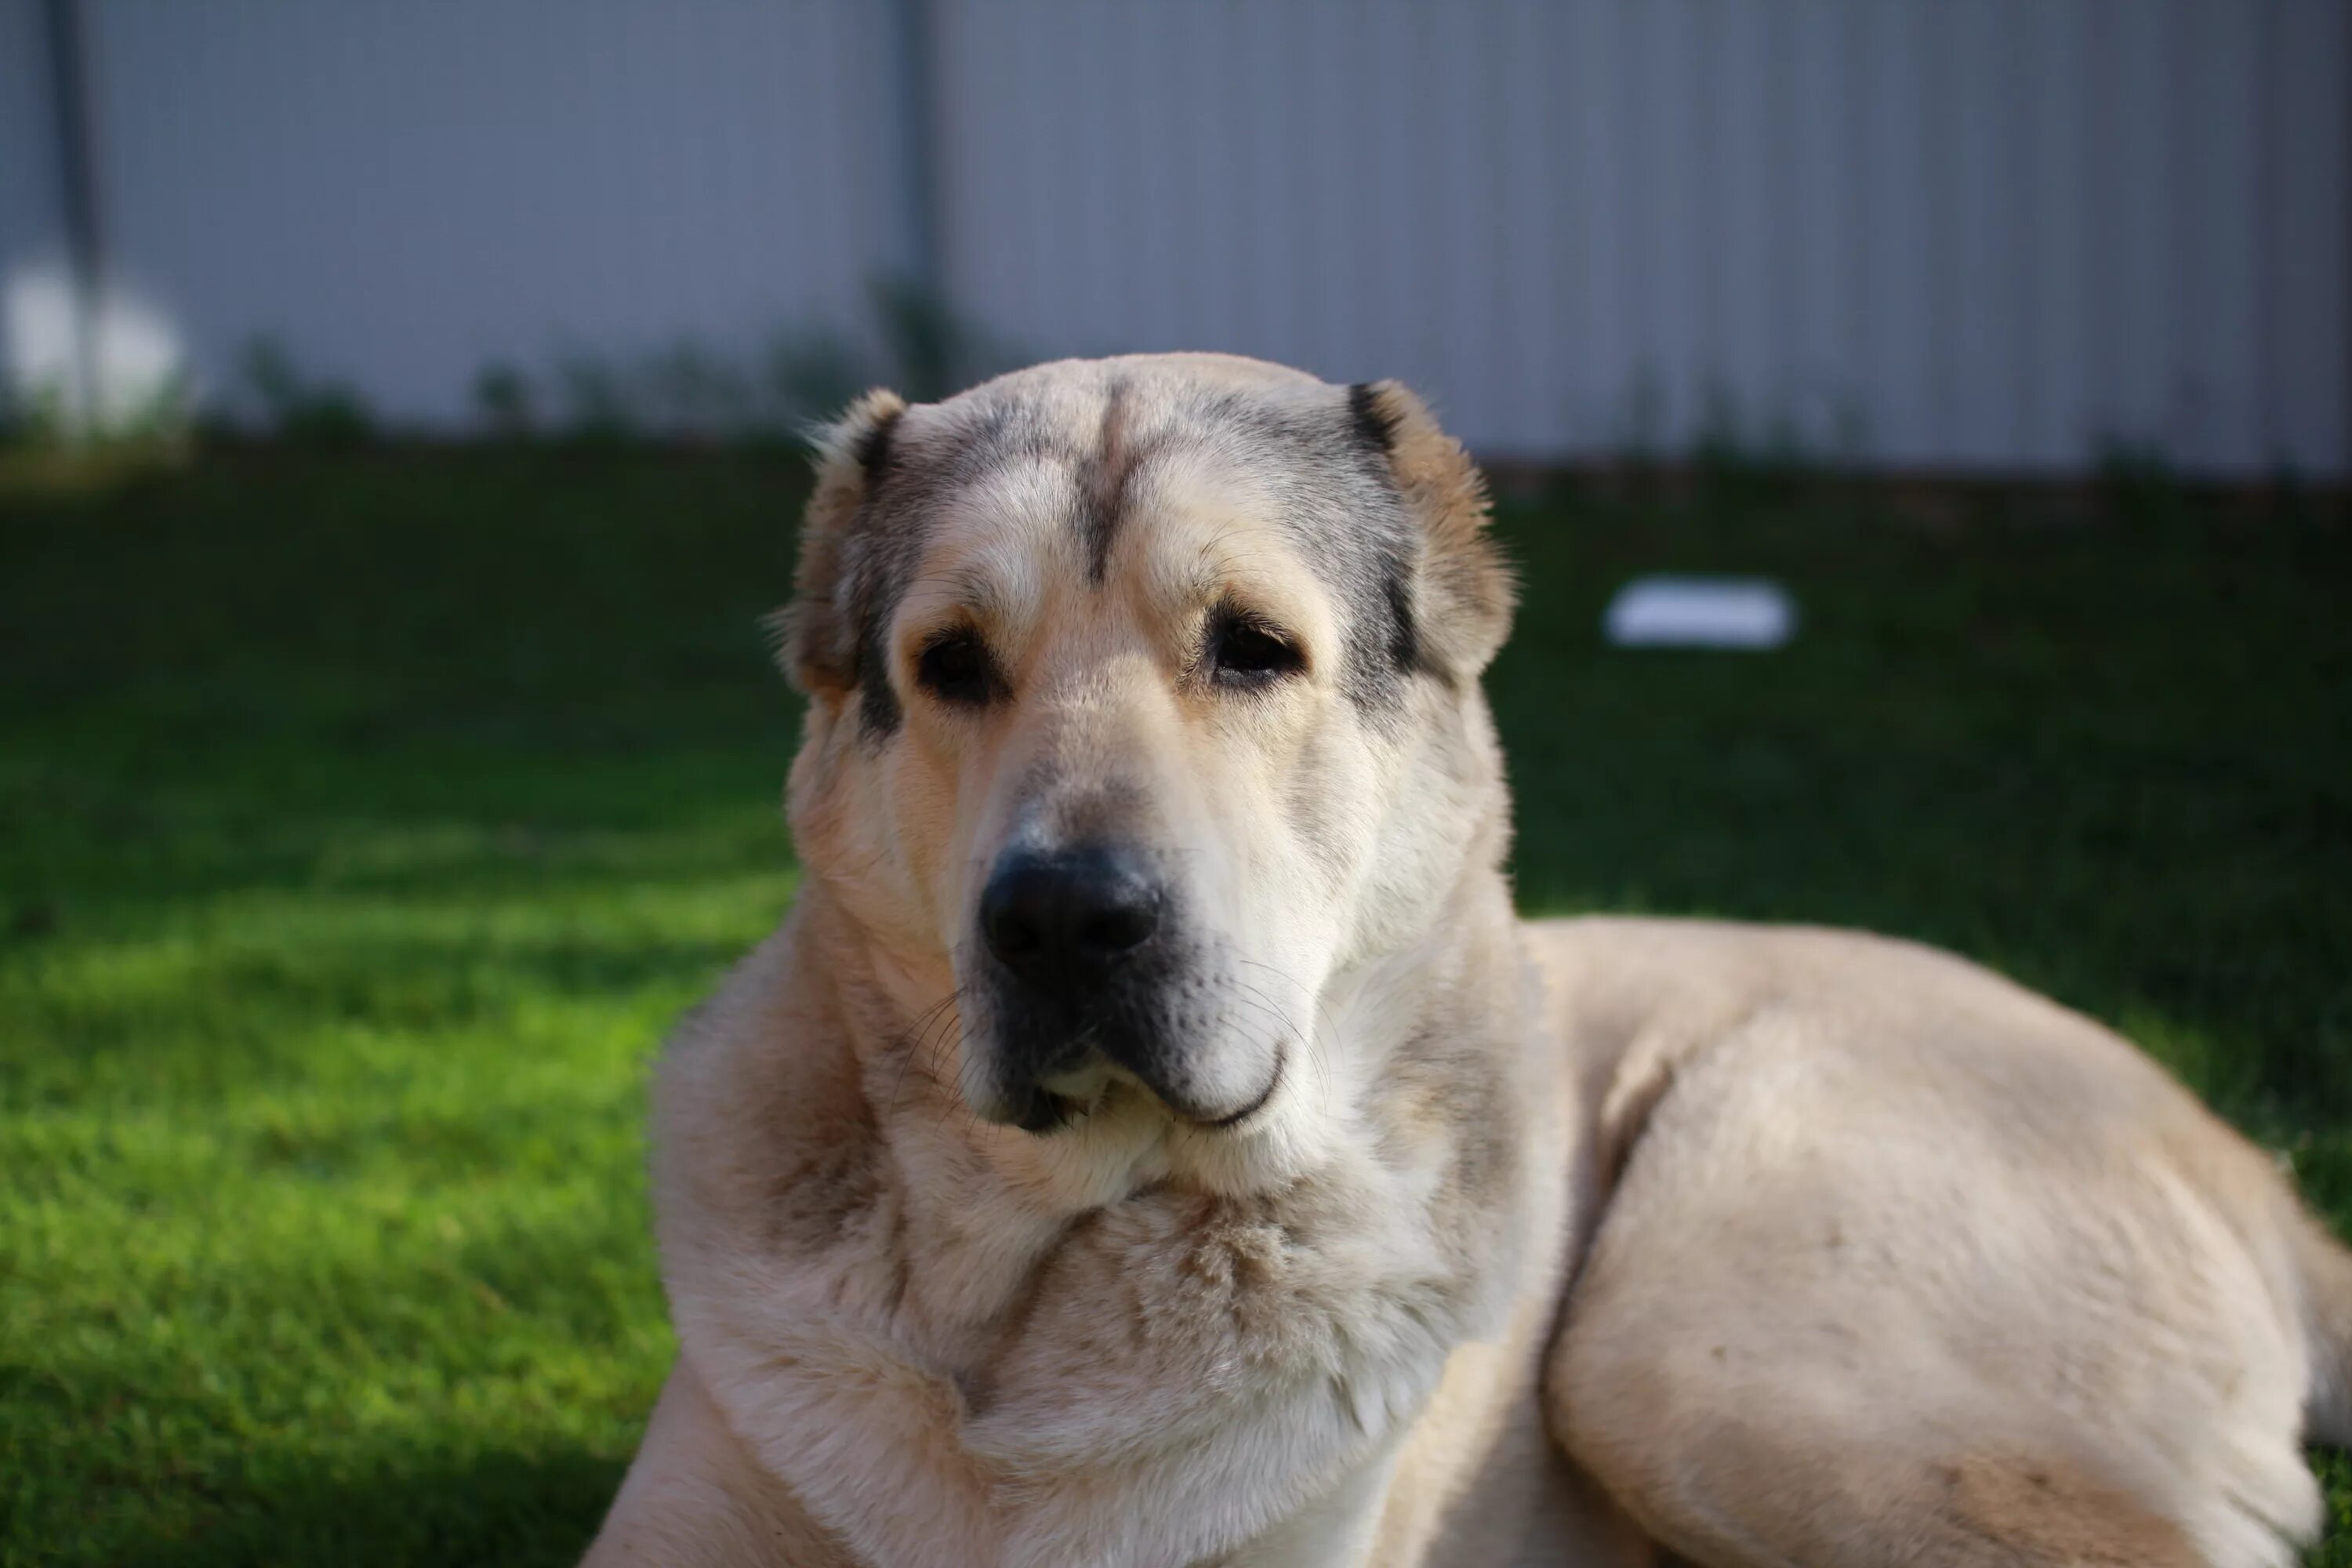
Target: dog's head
x=1143, y=705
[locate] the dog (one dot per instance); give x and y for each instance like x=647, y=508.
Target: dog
x=1153, y=1138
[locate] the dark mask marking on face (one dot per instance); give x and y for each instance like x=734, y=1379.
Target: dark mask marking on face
x=1404, y=639
x=878, y=704
x=1374, y=430
x=1103, y=486
x=874, y=448
x=904, y=487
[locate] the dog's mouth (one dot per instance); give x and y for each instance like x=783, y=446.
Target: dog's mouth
x=1071, y=1098
x=1264, y=1097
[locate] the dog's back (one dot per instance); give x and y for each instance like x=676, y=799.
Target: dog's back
x=1898, y=1261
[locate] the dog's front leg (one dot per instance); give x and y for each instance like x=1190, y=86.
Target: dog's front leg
x=694, y=1498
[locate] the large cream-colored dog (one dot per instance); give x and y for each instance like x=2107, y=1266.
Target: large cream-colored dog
x=1153, y=1140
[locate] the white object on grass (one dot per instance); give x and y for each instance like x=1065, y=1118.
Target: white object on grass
x=1700, y=612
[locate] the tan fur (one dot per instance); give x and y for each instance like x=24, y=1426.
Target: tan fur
x=1895, y=1237
x=1577, y=1242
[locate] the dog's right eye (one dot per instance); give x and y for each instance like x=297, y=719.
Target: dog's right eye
x=1247, y=652
x=954, y=666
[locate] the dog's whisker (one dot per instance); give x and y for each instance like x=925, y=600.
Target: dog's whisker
x=911, y=1045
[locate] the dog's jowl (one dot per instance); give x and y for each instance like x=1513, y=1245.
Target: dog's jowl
x=1152, y=1138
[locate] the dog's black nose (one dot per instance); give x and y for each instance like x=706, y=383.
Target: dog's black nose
x=1069, y=914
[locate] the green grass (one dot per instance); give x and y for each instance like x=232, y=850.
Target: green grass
x=363, y=821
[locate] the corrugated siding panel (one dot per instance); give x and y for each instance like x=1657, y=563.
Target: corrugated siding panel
x=2018, y=233
x=2003, y=233
x=29, y=223
x=32, y=227
x=403, y=192
x=2307, y=253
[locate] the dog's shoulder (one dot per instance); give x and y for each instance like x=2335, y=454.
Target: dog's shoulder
x=762, y=1136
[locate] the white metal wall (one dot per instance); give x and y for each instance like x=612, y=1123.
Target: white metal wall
x=31, y=219
x=402, y=190
x=27, y=201
x=1991, y=233
x=1985, y=232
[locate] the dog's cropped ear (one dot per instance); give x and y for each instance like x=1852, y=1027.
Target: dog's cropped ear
x=1465, y=591
x=816, y=640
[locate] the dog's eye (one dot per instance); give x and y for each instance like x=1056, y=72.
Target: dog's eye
x=1246, y=652
x=954, y=666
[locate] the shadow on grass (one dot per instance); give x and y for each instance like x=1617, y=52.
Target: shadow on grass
x=418, y=1388
x=2114, y=766
x=516, y=1509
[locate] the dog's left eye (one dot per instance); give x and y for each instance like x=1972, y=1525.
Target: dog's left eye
x=954, y=668
x=1246, y=652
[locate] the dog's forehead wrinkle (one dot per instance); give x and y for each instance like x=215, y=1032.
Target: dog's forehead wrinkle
x=1109, y=480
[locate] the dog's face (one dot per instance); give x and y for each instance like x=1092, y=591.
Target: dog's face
x=1144, y=703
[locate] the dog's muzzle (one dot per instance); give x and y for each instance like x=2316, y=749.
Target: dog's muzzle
x=1085, y=969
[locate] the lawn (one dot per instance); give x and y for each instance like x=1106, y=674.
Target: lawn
x=364, y=819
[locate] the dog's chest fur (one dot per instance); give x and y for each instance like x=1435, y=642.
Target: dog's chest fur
x=955, y=1350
